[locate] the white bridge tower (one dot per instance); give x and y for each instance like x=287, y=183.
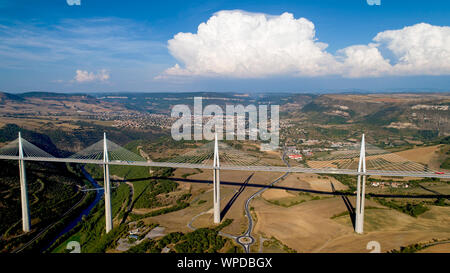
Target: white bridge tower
x=216, y=182
x=107, y=186
x=361, y=189
x=23, y=190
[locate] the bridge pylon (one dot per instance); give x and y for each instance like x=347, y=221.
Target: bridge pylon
x=216, y=182
x=26, y=223
x=107, y=186
x=361, y=189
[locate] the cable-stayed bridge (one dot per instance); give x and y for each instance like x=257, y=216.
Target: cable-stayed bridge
x=360, y=160
x=379, y=162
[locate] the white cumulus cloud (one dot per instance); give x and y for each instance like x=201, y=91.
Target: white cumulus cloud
x=241, y=44
x=363, y=61
x=420, y=49
x=250, y=45
x=83, y=76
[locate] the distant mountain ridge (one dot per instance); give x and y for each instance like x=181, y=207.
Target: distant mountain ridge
x=7, y=96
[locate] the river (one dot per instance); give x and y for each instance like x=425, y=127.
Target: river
x=86, y=211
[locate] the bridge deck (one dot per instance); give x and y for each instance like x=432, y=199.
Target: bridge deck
x=231, y=167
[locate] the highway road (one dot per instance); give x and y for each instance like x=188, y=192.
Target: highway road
x=246, y=240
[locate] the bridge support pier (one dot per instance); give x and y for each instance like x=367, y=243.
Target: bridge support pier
x=361, y=190
x=26, y=223
x=107, y=186
x=216, y=182
x=360, y=198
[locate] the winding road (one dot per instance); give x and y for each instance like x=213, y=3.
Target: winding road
x=246, y=240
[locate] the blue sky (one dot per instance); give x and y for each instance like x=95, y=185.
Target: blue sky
x=123, y=46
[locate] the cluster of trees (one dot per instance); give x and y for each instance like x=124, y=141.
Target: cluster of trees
x=413, y=209
x=446, y=163
x=440, y=202
x=224, y=223
x=409, y=249
x=199, y=241
x=148, y=198
x=173, y=208
x=164, y=143
x=412, y=183
x=348, y=180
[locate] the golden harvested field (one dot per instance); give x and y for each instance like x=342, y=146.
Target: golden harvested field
x=275, y=194
x=425, y=155
x=303, y=227
x=308, y=227
x=303, y=181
